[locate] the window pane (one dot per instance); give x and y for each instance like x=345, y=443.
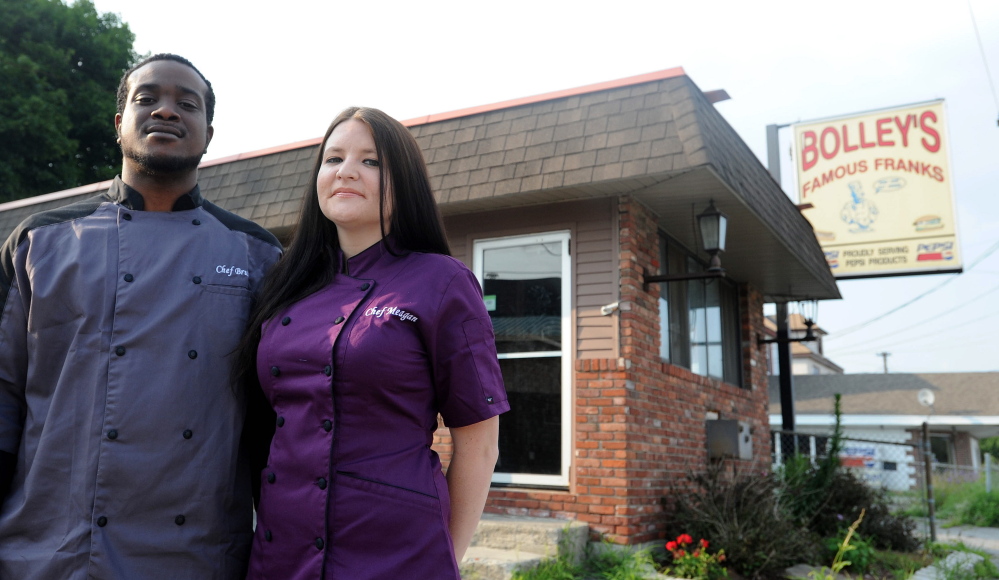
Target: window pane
x=679, y=325
x=940, y=446
x=731, y=335
x=712, y=308
x=664, y=330
x=523, y=288
x=698, y=327
x=699, y=322
x=530, y=437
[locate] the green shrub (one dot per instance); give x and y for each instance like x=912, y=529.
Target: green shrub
x=982, y=509
x=690, y=560
x=807, y=483
x=824, y=497
x=845, y=499
x=986, y=569
x=981, y=570
x=745, y=515
x=966, y=503
x=839, y=561
x=898, y=565
x=619, y=563
x=611, y=563
x=553, y=569
x=952, y=496
x=990, y=445
x=911, y=503
x=861, y=552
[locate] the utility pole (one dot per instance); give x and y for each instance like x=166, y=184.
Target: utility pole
x=783, y=333
x=885, y=355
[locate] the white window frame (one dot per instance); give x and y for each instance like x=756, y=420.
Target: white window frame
x=564, y=237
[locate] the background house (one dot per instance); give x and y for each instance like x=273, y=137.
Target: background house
x=885, y=407
x=562, y=204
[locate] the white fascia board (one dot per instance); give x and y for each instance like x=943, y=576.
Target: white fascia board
x=825, y=420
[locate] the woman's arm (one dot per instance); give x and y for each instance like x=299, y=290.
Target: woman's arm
x=475, y=450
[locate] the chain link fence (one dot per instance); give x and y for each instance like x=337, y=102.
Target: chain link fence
x=890, y=463
x=949, y=474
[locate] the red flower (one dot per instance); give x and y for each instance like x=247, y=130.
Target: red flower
x=684, y=539
x=670, y=546
x=697, y=553
x=704, y=543
x=721, y=557
x=680, y=553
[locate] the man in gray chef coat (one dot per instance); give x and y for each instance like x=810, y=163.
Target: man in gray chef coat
x=120, y=453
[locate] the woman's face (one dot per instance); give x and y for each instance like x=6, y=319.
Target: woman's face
x=348, y=181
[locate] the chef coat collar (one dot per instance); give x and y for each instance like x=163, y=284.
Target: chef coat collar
x=364, y=260
x=122, y=193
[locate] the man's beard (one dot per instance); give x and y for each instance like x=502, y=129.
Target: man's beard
x=160, y=166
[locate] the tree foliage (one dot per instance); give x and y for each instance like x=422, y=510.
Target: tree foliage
x=990, y=445
x=59, y=69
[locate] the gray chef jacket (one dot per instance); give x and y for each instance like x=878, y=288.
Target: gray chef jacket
x=115, y=401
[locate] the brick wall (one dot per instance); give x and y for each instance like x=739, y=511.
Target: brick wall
x=962, y=449
x=639, y=423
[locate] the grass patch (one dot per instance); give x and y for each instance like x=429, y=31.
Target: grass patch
x=610, y=562
x=892, y=565
x=966, y=503
x=554, y=569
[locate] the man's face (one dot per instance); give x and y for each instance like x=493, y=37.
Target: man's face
x=163, y=128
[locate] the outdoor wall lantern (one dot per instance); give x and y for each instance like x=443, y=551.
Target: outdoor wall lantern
x=714, y=226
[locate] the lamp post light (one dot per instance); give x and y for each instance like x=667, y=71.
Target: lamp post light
x=809, y=310
x=713, y=225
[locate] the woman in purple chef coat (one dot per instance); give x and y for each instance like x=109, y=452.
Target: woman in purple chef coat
x=365, y=331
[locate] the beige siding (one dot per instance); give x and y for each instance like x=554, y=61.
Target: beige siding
x=593, y=231
x=596, y=283
x=460, y=248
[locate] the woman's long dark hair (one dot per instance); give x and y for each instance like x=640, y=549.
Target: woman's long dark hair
x=310, y=261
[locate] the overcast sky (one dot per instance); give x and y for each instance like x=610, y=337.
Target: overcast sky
x=282, y=70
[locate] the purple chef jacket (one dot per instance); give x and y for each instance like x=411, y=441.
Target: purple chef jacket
x=357, y=374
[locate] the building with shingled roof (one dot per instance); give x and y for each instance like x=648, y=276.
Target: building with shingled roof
x=886, y=407
x=563, y=204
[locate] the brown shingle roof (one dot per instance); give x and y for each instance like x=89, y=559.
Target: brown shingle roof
x=655, y=137
x=964, y=394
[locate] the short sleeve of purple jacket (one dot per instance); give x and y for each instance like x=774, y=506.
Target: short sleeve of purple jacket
x=467, y=378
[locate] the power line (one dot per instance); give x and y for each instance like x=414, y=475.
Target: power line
x=934, y=317
x=966, y=344
x=857, y=327
x=936, y=334
x=981, y=48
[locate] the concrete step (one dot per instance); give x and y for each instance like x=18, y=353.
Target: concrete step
x=504, y=544
x=545, y=536
x=482, y=563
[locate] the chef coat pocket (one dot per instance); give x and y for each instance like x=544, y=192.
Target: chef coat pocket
x=369, y=516
x=388, y=491
x=226, y=310
x=228, y=290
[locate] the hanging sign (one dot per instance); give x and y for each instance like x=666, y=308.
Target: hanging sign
x=879, y=187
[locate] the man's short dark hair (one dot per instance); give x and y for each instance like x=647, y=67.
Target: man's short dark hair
x=123, y=84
